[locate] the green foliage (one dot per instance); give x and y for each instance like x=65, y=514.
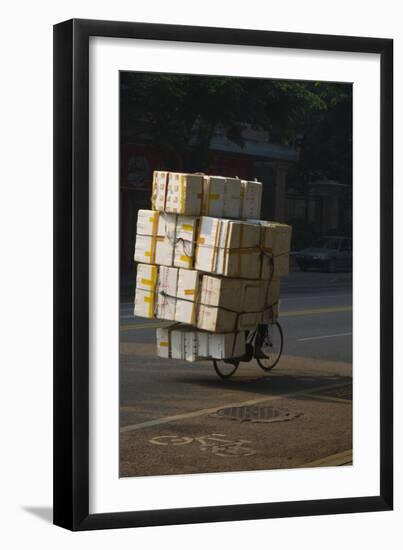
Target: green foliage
x=326, y=148
x=180, y=113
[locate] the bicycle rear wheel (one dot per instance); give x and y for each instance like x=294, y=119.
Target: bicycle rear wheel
x=272, y=347
x=225, y=369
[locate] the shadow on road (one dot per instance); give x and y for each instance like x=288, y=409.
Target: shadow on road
x=267, y=384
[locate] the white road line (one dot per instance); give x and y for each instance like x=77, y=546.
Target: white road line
x=324, y=336
x=212, y=410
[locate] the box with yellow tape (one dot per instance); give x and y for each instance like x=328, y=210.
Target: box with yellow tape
x=193, y=345
x=275, y=244
x=187, y=295
x=185, y=241
x=155, y=238
x=165, y=239
x=208, y=195
x=146, y=281
x=217, y=304
x=214, y=188
x=228, y=247
x=166, y=293
x=159, y=190
x=184, y=194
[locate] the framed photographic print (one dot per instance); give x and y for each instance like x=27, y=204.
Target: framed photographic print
x=223, y=274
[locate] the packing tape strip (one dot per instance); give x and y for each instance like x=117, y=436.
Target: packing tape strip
x=186, y=259
x=150, y=301
x=151, y=282
x=211, y=197
x=147, y=282
x=187, y=227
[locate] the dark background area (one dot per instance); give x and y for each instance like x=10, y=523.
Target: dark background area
x=293, y=136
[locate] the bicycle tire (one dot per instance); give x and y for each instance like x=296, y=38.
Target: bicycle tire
x=222, y=374
x=260, y=359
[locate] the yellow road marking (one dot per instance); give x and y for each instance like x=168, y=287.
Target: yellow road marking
x=298, y=312
x=317, y=311
x=135, y=326
x=212, y=410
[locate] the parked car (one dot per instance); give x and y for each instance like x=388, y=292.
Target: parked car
x=330, y=253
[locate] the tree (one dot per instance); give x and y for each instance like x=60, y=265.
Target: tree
x=180, y=113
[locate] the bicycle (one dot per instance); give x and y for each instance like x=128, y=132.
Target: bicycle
x=265, y=344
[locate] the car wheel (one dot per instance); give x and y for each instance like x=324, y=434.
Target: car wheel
x=331, y=266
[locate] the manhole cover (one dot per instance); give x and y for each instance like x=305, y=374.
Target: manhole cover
x=344, y=392
x=257, y=414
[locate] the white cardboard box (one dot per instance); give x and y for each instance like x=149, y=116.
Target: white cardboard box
x=221, y=233
x=196, y=345
x=184, y=194
x=151, y=222
x=185, y=344
x=245, y=264
x=221, y=292
x=187, y=292
x=155, y=237
x=154, y=250
x=253, y=295
x=146, y=277
x=185, y=241
x=171, y=238
x=147, y=221
x=144, y=251
x=195, y=194
x=223, y=304
x=232, y=198
x=188, y=284
x=146, y=281
x=216, y=319
x=251, y=199
x=163, y=342
x=178, y=342
x=225, y=346
x=160, y=182
x=229, y=248
x=144, y=303
x=213, y=196
x=166, y=293
x=275, y=244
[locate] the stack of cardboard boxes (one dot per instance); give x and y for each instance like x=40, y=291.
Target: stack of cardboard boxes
x=208, y=263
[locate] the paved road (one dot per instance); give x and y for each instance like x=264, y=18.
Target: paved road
x=178, y=401
x=315, y=325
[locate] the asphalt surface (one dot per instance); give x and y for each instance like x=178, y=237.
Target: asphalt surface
x=169, y=408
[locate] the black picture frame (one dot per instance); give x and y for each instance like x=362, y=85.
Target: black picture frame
x=71, y=274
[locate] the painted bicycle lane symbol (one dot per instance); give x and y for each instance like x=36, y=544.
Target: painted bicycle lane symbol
x=216, y=444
